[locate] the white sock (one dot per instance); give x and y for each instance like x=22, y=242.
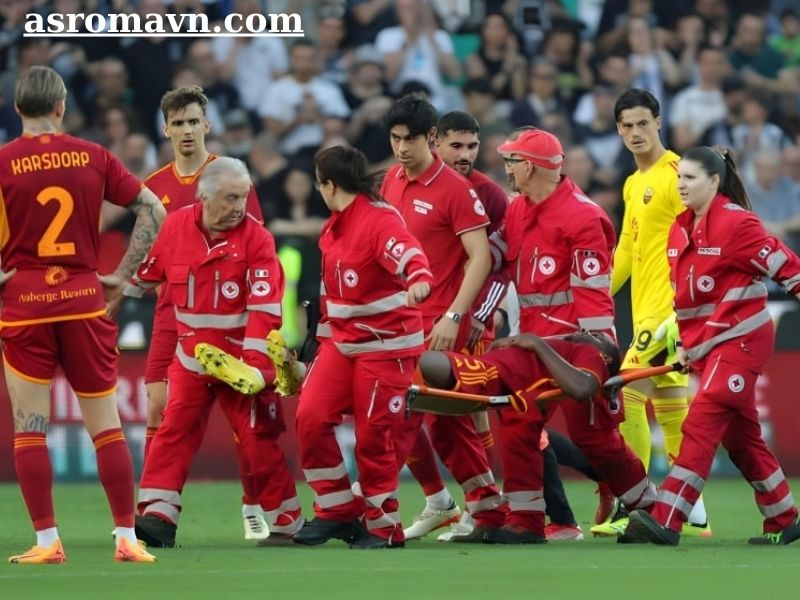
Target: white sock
x=46, y=537
x=441, y=500
x=129, y=533
x=698, y=515
x=251, y=510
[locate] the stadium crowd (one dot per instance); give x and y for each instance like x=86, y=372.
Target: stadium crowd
x=568, y=98
x=725, y=73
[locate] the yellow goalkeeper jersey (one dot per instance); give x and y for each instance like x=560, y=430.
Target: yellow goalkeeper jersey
x=651, y=205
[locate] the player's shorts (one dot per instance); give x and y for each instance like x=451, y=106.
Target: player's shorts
x=163, y=342
x=646, y=351
x=86, y=349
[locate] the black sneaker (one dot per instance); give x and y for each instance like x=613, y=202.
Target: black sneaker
x=373, y=542
x=513, y=535
x=155, y=532
x=785, y=536
x=318, y=531
x=642, y=527
x=477, y=536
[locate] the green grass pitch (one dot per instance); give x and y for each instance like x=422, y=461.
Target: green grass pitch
x=214, y=561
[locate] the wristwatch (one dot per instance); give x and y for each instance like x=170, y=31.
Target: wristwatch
x=453, y=316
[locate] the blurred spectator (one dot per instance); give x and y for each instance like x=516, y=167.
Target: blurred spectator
x=117, y=122
x=302, y=108
x=331, y=53
x=418, y=50
x=774, y=196
x=492, y=116
x=613, y=28
x=150, y=64
x=787, y=42
x=690, y=35
x=542, y=98
x=751, y=55
x=366, y=18
x=31, y=52
x=200, y=57
x=734, y=93
x=296, y=217
x=755, y=133
x=139, y=155
x=652, y=66
x=265, y=163
x=716, y=15
x=563, y=46
x=613, y=71
x=695, y=110
x=454, y=14
x=110, y=88
x=498, y=59
x=790, y=159
x=251, y=64
x=580, y=168
x=602, y=141
x=238, y=134
x=366, y=94
x=12, y=18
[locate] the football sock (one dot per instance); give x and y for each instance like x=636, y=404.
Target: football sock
x=129, y=533
x=35, y=475
x=422, y=464
x=46, y=537
x=441, y=500
x=670, y=414
x=698, y=515
x=635, y=428
x=115, y=471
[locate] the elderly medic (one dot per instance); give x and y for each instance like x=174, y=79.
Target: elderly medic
x=226, y=285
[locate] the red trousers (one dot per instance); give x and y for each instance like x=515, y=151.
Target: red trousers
x=257, y=421
x=592, y=426
x=724, y=410
x=373, y=390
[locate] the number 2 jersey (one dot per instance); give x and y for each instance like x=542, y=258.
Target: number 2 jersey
x=52, y=188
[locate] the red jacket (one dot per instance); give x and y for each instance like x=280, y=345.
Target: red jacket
x=226, y=291
x=558, y=253
x=369, y=259
x=717, y=271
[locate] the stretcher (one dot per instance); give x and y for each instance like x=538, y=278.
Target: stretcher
x=423, y=398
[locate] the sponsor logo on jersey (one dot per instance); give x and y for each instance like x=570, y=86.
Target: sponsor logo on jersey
x=55, y=275
x=705, y=283
x=709, y=251
x=648, y=195
x=230, y=289
x=547, y=265
x=736, y=383
x=261, y=273
x=672, y=252
x=478, y=208
x=350, y=278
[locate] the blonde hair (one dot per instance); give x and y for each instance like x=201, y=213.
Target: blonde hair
x=39, y=90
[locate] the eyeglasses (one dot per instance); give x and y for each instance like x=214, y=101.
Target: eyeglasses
x=513, y=161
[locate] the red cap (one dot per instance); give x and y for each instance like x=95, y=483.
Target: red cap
x=539, y=147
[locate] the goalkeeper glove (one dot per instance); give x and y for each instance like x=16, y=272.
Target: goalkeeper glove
x=669, y=330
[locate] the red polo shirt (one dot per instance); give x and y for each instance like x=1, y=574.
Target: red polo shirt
x=438, y=207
